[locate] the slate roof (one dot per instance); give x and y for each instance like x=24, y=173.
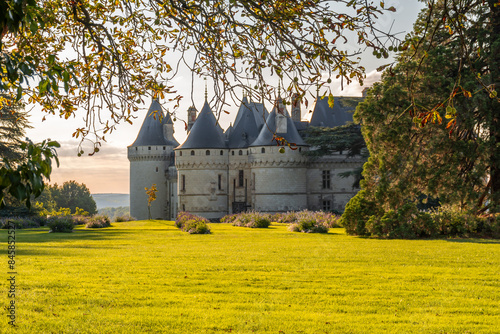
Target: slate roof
x=151, y=132
x=206, y=132
x=247, y=125
x=258, y=111
x=266, y=134
x=339, y=115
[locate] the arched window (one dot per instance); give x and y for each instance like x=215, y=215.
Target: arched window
x=240, y=152
x=192, y=152
x=263, y=150
x=207, y=152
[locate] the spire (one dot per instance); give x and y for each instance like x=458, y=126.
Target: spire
x=206, y=90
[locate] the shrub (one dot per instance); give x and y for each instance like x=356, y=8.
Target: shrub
x=357, y=212
x=98, y=221
x=252, y=220
x=195, y=227
x=228, y=218
x=192, y=224
x=20, y=222
x=60, y=224
x=124, y=218
x=287, y=218
x=80, y=220
x=308, y=225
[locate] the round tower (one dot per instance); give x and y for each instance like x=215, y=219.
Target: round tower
x=279, y=173
x=151, y=159
x=201, y=163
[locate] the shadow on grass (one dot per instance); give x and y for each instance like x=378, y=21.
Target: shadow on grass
x=475, y=241
x=43, y=235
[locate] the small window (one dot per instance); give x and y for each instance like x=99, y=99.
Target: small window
x=136, y=148
x=241, y=177
x=157, y=169
x=164, y=148
x=300, y=149
x=207, y=152
x=183, y=207
x=240, y=152
x=247, y=152
x=180, y=153
x=232, y=152
x=183, y=182
x=263, y=150
x=220, y=181
x=149, y=148
x=221, y=152
x=327, y=205
x=326, y=179
x=192, y=152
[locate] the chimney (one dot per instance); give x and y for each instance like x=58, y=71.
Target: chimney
x=296, y=114
x=191, y=117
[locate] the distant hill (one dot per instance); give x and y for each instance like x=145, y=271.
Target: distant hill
x=111, y=200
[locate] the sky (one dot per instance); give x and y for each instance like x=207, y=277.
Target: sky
x=108, y=170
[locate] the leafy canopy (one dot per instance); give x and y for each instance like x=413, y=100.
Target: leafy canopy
x=106, y=55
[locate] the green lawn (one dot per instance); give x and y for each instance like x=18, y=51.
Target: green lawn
x=148, y=277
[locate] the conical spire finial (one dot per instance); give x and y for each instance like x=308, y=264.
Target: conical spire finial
x=206, y=90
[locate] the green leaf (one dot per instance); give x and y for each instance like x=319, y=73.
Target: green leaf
x=331, y=100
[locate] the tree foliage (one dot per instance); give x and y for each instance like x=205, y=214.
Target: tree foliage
x=105, y=54
x=151, y=192
x=430, y=124
x=13, y=125
x=24, y=178
x=73, y=195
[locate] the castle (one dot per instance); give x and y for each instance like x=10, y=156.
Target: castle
x=256, y=164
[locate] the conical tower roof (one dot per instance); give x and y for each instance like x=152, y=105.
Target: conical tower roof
x=338, y=115
x=206, y=132
x=151, y=132
x=271, y=127
x=246, y=126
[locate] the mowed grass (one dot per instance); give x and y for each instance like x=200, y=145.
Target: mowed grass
x=148, y=277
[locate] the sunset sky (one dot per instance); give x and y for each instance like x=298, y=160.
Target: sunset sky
x=108, y=170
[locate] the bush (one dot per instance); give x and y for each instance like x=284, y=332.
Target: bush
x=252, y=220
x=228, y=218
x=125, y=218
x=80, y=220
x=192, y=224
x=195, y=227
x=60, y=224
x=287, y=218
x=357, y=212
x=21, y=222
x=98, y=221
x=308, y=225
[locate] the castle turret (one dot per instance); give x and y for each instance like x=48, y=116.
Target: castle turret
x=201, y=163
x=279, y=179
x=151, y=162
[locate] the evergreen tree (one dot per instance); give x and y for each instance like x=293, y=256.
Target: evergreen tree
x=430, y=135
x=13, y=125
